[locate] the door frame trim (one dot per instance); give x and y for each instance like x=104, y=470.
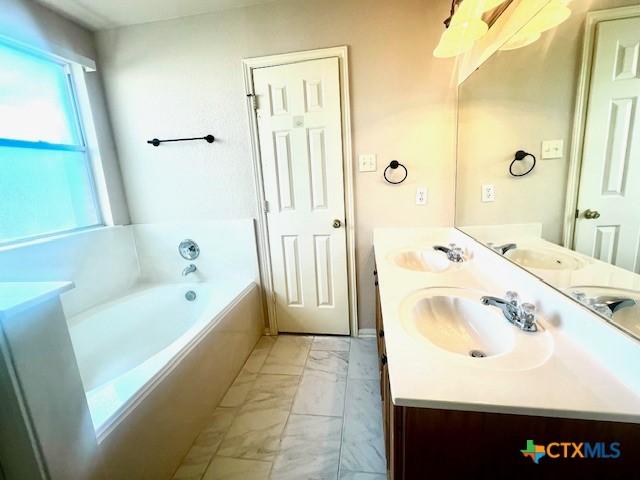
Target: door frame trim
x=264, y=258
x=580, y=113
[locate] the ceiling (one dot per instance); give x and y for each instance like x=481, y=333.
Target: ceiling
x=101, y=14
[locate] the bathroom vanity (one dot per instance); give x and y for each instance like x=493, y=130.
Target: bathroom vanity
x=463, y=389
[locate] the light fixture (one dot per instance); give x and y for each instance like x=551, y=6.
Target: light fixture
x=460, y=37
x=463, y=27
x=552, y=15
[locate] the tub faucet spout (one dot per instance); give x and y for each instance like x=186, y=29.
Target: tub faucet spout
x=190, y=269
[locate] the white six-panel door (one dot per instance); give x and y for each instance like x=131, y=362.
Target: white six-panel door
x=300, y=130
x=610, y=177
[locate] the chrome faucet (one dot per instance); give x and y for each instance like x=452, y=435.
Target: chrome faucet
x=190, y=269
x=503, y=249
x=522, y=315
x=454, y=253
x=606, y=305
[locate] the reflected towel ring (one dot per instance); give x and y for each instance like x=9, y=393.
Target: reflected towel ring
x=393, y=165
x=521, y=155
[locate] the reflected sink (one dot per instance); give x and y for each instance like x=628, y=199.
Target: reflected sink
x=425, y=260
x=627, y=318
x=456, y=322
x=544, y=259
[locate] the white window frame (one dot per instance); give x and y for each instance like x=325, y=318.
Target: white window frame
x=77, y=90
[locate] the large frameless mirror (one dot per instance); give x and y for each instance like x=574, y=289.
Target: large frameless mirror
x=549, y=154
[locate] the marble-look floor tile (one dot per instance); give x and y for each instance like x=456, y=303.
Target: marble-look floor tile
x=239, y=389
x=256, y=429
x=320, y=393
x=288, y=355
x=259, y=354
x=336, y=344
x=205, y=446
x=327, y=361
x=272, y=391
x=346, y=475
x=363, y=359
x=363, y=437
x=223, y=468
x=310, y=449
x=255, y=434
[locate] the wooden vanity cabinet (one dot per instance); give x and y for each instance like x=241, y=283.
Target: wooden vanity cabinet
x=428, y=443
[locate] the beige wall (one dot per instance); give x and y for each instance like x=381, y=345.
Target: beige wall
x=515, y=101
x=184, y=77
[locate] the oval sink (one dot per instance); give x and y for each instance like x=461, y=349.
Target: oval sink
x=456, y=323
x=425, y=260
x=544, y=259
x=627, y=318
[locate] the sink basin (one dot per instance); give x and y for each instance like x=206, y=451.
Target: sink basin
x=455, y=322
x=544, y=259
x=627, y=318
x=425, y=260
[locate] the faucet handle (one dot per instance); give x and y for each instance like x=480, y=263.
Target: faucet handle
x=512, y=297
x=528, y=317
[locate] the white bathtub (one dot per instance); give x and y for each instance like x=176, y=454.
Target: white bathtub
x=125, y=347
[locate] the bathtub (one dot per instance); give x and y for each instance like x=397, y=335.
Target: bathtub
x=154, y=364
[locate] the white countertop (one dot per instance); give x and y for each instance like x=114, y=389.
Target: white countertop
x=575, y=381
x=16, y=296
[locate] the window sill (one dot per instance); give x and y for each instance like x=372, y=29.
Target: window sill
x=53, y=237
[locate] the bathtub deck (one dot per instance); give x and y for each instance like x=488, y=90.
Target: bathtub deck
x=302, y=407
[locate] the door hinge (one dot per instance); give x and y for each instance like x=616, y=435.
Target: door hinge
x=577, y=213
x=254, y=100
x=265, y=206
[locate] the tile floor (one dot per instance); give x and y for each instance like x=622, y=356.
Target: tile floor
x=303, y=408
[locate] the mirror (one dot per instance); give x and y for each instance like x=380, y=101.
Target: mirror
x=549, y=156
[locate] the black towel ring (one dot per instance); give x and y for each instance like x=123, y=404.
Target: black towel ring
x=521, y=155
x=393, y=165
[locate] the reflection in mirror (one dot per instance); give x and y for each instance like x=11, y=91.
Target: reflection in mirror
x=569, y=98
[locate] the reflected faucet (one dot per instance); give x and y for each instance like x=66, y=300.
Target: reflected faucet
x=522, y=315
x=503, y=249
x=190, y=269
x=606, y=305
x=454, y=253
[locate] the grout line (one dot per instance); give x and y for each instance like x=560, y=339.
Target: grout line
x=344, y=411
x=293, y=399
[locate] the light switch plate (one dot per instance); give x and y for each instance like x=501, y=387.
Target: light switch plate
x=552, y=149
x=367, y=162
x=421, y=196
x=488, y=193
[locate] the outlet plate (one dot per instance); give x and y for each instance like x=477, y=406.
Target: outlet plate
x=421, y=195
x=488, y=192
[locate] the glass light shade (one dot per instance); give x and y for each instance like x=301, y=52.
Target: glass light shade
x=460, y=37
x=549, y=17
x=521, y=39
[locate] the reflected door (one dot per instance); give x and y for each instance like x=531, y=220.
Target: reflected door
x=608, y=223
x=299, y=124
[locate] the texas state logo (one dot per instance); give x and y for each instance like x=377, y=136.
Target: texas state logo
x=533, y=451
x=578, y=450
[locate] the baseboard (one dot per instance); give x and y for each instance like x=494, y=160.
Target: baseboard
x=367, y=332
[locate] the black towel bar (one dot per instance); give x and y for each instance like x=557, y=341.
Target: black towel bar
x=155, y=142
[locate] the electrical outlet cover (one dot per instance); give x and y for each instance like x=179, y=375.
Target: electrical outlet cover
x=421, y=196
x=488, y=193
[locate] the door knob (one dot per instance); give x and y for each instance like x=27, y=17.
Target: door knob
x=337, y=223
x=591, y=214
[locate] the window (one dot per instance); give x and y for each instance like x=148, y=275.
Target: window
x=46, y=184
